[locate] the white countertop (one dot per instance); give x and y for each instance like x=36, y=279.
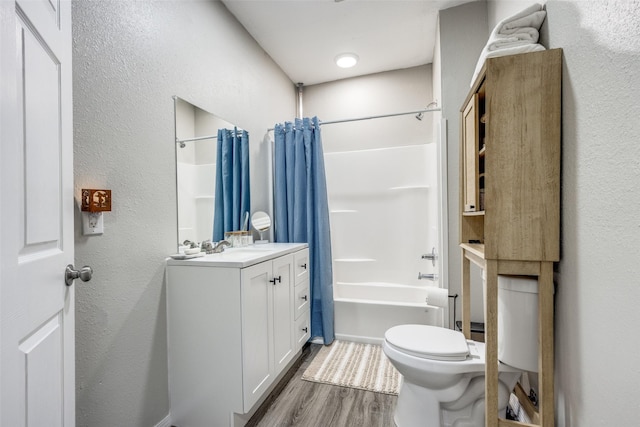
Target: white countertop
x=241, y=257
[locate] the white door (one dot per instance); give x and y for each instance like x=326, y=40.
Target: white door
x=36, y=205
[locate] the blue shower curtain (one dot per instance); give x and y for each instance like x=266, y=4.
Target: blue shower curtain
x=232, y=198
x=302, y=211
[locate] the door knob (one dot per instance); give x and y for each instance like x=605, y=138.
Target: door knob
x=70, y=274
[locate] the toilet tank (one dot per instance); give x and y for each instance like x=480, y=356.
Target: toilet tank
x=518, y=322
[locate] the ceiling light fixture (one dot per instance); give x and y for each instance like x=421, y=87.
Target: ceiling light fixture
x=346, y=60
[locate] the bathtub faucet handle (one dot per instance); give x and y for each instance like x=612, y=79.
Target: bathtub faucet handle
x=433, y=256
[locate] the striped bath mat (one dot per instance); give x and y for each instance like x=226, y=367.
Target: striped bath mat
x=355, y=365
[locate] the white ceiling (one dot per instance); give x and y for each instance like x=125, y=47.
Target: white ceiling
x=304, y=36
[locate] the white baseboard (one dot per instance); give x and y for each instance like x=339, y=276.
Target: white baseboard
x=166, y=422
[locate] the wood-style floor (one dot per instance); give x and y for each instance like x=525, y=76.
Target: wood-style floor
x=307, y=404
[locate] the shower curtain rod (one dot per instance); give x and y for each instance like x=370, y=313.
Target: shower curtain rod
x=426, y=110
x=199, y=138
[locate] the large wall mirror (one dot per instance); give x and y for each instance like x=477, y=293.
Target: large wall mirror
x=196, y=169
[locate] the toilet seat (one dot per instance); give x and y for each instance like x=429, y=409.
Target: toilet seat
x=428, y=342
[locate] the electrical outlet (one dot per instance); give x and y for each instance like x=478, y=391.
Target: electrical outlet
x=92, y=223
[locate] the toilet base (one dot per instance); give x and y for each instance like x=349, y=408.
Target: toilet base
x=418, y=406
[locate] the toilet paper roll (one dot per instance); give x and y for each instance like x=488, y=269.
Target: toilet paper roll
x=437, y=297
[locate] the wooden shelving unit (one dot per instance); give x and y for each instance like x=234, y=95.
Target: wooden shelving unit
x=510, y=202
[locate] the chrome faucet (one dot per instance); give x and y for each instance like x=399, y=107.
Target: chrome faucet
x=219, y=247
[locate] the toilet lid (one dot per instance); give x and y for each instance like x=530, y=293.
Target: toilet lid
x=429, y=342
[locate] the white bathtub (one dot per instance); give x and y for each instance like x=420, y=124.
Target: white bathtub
x=364, y=311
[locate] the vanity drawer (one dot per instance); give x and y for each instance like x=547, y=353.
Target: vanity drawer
x=302, y=299
x=302, y=331
x=301, y=265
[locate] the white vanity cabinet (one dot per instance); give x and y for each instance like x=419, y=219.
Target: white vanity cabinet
x=233, y=321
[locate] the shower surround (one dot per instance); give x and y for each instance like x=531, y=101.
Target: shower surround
x=384, y=215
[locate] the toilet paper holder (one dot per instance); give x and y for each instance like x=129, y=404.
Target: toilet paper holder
x=433, y=277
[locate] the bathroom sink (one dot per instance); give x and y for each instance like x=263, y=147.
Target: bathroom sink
x=244, y=256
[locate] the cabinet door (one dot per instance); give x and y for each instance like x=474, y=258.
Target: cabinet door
x=257, y=327
x=470, y=146
x=282, y=288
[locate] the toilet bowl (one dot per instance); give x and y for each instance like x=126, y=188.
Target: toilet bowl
x=443, y=373
x=443, y=377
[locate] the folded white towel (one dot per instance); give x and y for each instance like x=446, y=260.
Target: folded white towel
x=528, y=35
x=516, y=34
x=531, y=20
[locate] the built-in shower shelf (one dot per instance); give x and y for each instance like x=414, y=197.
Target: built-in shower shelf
x=343, y=211
x=410, y=187
x=354, y=260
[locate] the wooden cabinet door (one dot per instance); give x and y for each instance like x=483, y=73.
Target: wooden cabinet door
x=470, y=146
x=257, y=331
x=282, y=288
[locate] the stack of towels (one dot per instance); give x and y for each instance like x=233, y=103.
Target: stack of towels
x=516, y=34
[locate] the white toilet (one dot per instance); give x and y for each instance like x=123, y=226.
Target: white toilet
x=443, y=373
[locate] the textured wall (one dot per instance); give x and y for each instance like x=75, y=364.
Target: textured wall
x=389, y=92
x=129, y=59
x=598, y=296
x=463, y=34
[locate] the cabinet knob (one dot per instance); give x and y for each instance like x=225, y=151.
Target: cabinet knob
x=276, y=279
x=304, y=266
x=304, y=297
x=305, y=329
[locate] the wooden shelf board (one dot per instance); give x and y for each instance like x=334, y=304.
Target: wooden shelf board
x=473, y=213
x=509, y=423
x=474, y=252
x=475, y=248
x=526, y=404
